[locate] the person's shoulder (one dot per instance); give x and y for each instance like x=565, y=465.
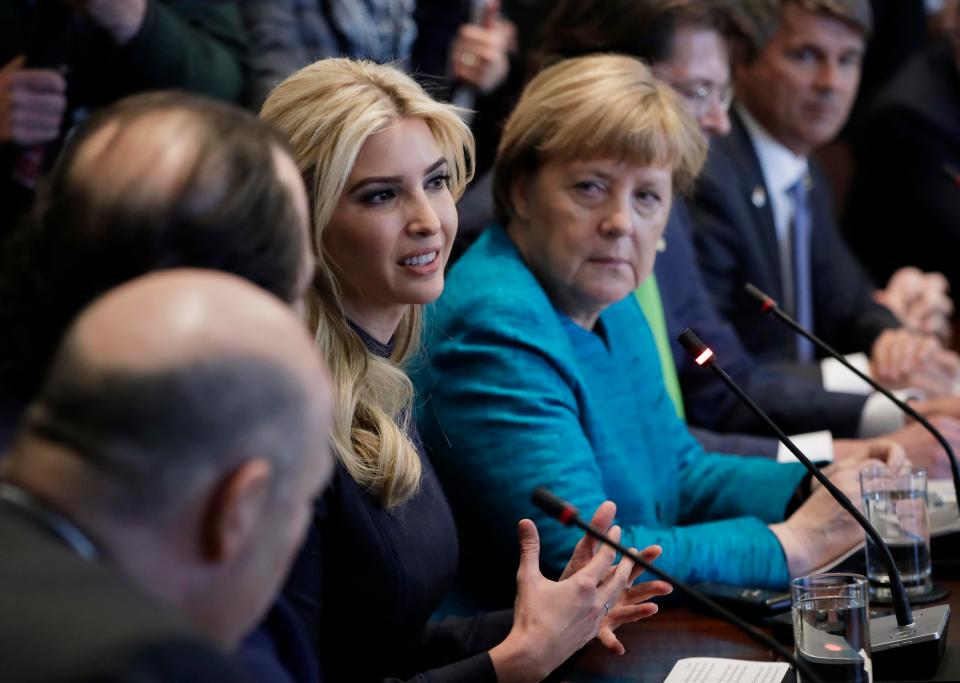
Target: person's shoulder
x=925, y=92
x=179, y=660
x=61, y=613
x=729, y=154
x=923, y=76
x=279, y=649
x=492, y=286
x=626, y=321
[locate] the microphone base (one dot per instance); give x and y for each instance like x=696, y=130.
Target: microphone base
x=911, y=653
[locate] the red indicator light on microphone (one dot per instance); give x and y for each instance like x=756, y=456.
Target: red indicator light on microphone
x=701, y=353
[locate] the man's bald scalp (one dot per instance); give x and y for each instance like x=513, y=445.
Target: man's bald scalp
x=168, y=382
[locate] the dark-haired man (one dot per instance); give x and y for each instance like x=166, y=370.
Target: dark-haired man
x=155, y=181
x=160, y=483
x=762, y=211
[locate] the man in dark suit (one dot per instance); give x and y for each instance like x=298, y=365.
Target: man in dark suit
x=762, y=211
x=694, y=61
x=160, y=483
x=159, y=180
x=909, y=149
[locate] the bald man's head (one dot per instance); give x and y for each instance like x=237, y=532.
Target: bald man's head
x=167, y=382
x=184, y=426
x=155, y=181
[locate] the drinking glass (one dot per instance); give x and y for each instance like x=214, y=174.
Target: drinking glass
x=895, y=503
x=831, y=630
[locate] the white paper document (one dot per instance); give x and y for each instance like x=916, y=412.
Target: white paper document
x=715, y=670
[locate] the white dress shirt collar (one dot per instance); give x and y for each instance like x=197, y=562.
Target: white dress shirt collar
x=781, y=167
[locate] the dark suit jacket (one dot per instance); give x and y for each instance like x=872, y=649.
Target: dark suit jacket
x=796, y=403
x=65, y=619
x=904, y=207
x=736, y=243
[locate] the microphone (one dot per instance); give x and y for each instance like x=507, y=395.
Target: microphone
x=924, y=632
x=464, y=95
x=568, y=515
x=768, y=305
x=48, y=38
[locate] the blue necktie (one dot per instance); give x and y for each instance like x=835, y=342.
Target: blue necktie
x=800, y=250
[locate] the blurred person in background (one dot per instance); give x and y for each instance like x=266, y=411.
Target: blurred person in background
x=762, y=211
x=905, y=202
x=155, y=181
x=60, y=60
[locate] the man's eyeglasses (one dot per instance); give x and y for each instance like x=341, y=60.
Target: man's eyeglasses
x=702, y=94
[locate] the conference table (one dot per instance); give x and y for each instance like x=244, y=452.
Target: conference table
x=654, y=645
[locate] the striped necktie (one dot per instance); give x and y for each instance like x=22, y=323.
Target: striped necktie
x=800, y=247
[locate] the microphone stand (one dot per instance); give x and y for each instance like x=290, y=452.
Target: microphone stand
x=568, y=515
x=927, y=629
x=768, y=305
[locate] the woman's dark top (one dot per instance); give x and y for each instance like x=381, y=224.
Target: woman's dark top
x=367, y=580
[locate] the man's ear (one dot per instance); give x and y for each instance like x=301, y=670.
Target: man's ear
x=234, y=510
x=520, y=197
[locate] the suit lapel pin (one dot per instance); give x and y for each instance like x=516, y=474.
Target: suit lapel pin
x=661, y=245
x=759, y=197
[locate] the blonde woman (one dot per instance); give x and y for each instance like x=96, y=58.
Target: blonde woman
x=384, y=165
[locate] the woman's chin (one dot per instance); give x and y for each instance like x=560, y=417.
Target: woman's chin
x=610, y=295
x=425, y=292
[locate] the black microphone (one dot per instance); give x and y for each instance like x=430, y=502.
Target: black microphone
x=463, y=94
x=923, y=631
x=568, y=515
x=48, y=38
x=768, y=305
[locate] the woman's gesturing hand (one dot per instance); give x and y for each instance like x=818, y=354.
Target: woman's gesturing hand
x=632, y=604
x=553, y=619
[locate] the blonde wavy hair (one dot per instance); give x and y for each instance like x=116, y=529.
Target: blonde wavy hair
x=327, y=110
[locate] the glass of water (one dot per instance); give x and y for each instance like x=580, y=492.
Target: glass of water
x=831, y=629
x=895, y=503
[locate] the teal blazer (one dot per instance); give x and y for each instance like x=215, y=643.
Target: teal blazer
x=513, y=394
